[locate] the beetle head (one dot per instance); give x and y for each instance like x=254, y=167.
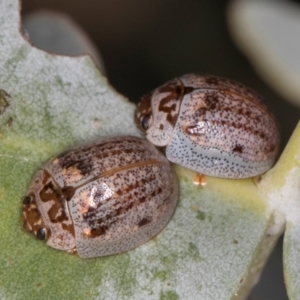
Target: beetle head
x=45, y=213
x=157, y=112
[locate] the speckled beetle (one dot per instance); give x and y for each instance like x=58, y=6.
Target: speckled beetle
x=211, y=125
x=101, y=198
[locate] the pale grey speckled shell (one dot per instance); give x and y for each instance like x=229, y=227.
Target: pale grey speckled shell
x=103, y=197
x=211, y=125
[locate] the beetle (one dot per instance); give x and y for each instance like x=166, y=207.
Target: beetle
x=211, y=125
x=101, y=198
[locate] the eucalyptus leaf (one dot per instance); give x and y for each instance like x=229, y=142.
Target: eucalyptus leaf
x=282, y=186
x=214, y=247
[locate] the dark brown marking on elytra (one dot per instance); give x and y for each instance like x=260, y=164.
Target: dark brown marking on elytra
x=188, y=90
x=261, y=134
x=126, y=151
x=200, y=112
x=227, y=85
x=215, y=101
x=156, y=192
x=232, y=87
x=144, y=221
x=238, y=148
x=110, y=145
x=252, y=99
x=136, y=185
x=82, y=158
x=119, y=193
x=73, y=157
x=68, y=192
x=237, y=89
x=212, y=101
x=121, y=152
x=195, y=130
x=128, y=203
x=84, y=166
x=98, y=231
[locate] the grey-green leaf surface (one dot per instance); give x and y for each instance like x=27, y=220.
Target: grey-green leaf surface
x=213, y=248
